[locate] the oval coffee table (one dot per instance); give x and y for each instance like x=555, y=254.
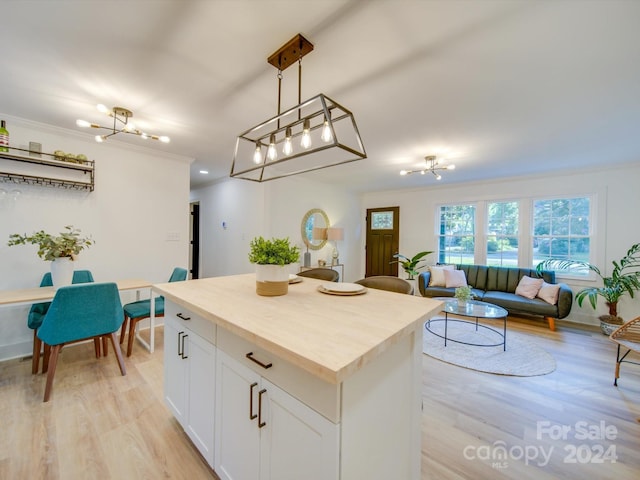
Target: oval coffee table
x=473, y=309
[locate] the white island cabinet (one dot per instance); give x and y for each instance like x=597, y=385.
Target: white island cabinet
x=305, y=385
x=189, y=369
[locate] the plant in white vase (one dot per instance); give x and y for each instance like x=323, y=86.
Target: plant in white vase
x=463, y=294
x=272, y=258
x=60, y=249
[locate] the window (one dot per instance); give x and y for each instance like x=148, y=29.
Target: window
x=456, y=238
x=561, y=230
x=382, y=220
x=502, y=234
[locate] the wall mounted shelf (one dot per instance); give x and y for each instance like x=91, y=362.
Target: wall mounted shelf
x=35, y=168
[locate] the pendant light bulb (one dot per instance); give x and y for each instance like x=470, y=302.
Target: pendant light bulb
x=272, y=153
x=306, y=134
x=100, y=138
x=326, y=132
x=288, y=146
x=257, y=155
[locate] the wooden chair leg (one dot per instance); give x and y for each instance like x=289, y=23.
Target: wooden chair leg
x=96, y=347
x=552, y=323
x=133, y=322
x=45, y=358
x=52, y=371
x=35, y=359
x=123, y=329
x=116, y=348
x=105, y=347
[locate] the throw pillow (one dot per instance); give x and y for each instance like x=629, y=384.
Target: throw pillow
x=549, y=292
x=437, y=275
x=455, y=278
x=529, y=287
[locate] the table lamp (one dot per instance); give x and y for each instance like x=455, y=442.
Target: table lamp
x=335, y=234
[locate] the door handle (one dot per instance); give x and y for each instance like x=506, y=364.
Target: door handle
x=251, y=387
x=260, y=422
x=182, y=317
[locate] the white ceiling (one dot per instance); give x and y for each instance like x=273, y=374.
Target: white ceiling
x=500, y=88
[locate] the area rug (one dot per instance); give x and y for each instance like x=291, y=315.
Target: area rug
x=522, y=358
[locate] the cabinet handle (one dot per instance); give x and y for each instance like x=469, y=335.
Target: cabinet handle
x=180, y=344
x=260, y=422
x=251, y=387
x=263, y=365
x=182, y=317
x=182, y=355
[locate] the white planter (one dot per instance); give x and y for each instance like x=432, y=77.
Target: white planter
x=62, y=272
x=272, y=280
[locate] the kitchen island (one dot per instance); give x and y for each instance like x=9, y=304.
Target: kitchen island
x=305, y=385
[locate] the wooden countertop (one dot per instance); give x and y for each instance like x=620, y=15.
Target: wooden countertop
x=329, y=336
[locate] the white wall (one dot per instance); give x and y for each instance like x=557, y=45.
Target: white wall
x=616, y=229
x=141, y=198
x=271, y=209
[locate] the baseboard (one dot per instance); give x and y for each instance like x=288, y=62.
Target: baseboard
x=16, y=350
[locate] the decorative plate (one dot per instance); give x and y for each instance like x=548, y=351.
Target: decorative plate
x=335, y=288
x=294, y=278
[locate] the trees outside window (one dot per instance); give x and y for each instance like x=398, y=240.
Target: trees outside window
x=561, y=231
x=456, y=240
x=502, y=234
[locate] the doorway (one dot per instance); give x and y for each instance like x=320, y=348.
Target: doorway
x=382, y=241
x=194, y=241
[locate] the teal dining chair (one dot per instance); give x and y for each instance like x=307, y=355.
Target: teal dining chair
x=136, y=311
x=81, y=312
x=39, y=310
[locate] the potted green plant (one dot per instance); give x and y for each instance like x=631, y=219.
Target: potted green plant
x=624, y=279
x=463, y=294
x=60, y=249
x=272, y=258
x=411, y=265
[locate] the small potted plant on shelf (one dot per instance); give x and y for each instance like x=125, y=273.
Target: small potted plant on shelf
x=60, y=249
x=411, y=265
x=624, y=279
x=463, y=294
x=272, y=258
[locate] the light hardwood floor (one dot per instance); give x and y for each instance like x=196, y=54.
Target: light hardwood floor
x=100, y=424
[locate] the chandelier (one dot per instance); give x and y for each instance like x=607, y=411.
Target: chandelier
x=315, y=134
x=121, y=124
x=432, y=164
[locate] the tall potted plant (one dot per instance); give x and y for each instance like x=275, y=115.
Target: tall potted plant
x=624, y=279
x=411, y=265
x=61, y=250
x=272, y=258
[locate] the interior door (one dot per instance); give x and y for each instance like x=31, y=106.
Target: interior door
x=383, y=239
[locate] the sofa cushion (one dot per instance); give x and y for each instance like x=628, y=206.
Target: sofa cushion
x=476, y=275
x=454, y=278
x=516, y=303
x=549, y=292
x=437, y=275
x=449, y=292
x=529, y=287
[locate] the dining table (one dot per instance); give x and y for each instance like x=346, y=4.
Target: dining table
x=27, y=296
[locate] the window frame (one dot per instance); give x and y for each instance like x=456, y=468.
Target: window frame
x=590, y=276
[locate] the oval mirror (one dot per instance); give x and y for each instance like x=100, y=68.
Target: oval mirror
x=314, y=218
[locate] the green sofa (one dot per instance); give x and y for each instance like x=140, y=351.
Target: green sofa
x=497, y=285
